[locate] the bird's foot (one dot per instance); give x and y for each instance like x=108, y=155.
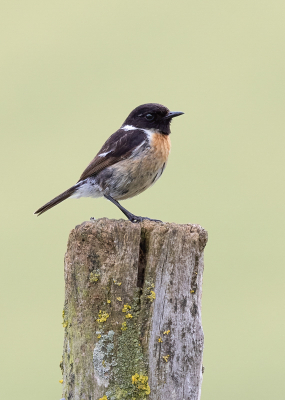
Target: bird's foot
x=136, y=219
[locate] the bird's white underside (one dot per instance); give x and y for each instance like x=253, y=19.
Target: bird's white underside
x=88, y=188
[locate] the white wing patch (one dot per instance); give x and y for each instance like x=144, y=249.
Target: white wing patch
x=104, y=154
x=128, y=128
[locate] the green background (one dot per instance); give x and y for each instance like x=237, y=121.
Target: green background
x=71, y=71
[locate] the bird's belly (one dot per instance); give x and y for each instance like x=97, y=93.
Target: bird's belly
x=131, y=177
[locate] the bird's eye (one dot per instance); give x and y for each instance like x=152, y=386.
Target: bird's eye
x=149, y=117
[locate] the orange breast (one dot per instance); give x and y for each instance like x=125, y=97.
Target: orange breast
x=161, y=146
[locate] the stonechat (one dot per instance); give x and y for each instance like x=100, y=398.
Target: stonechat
x=130, y=161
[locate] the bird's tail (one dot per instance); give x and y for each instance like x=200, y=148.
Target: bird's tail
x=56, y=200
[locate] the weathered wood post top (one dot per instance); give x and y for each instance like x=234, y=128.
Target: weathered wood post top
x=132, y=312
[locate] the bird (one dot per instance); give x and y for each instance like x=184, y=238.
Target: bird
x=130, y=161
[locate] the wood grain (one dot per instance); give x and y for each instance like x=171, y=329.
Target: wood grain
x=132, y=312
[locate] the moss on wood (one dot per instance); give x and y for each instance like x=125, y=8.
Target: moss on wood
x=120, y=277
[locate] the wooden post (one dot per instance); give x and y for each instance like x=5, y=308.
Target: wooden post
x=132, y=312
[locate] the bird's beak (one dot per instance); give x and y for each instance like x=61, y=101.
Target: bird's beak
x=173, y=114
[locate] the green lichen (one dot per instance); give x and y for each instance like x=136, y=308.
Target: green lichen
x=129, y=360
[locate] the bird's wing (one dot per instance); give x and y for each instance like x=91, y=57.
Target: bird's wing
x=118, y=147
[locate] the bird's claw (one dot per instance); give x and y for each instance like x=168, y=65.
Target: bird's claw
x=135, y=219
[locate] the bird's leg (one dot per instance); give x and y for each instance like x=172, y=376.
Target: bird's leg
x=130, y=216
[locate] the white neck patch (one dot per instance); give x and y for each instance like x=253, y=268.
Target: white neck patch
x=148, y=132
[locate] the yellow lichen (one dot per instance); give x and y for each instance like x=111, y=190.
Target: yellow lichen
x=117, y=283
x=98, y=337
x=64, y=323
x=108, y=301
x=94, y=277
x=124, y=326
x=151, y=296
x=126, y=308
x=192, y=291
x=166, y=332
x=166, y=358
x=104, y=398
x=159, y=340
x=119, y=298
x=102, y=316
x=61, y=381
x=141, y=383
x=129, y=315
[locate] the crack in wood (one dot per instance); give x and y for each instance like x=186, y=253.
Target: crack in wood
x=142, y=259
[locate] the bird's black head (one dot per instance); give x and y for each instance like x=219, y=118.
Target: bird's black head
x=152, y=116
